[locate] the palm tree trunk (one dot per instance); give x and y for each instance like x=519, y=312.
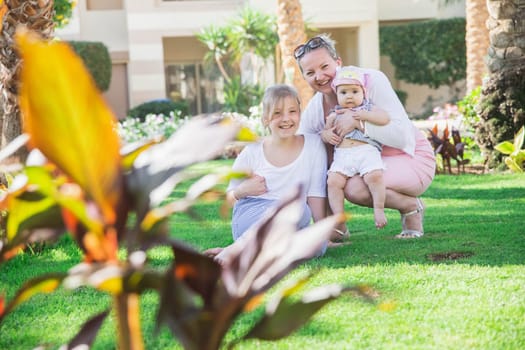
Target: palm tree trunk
x=502, y=105
x=477, y=42
x=290, y=27
x=36, y=15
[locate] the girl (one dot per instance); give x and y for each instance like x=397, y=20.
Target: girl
x=278, y=163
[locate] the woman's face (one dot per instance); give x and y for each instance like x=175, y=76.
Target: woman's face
x=318, y=69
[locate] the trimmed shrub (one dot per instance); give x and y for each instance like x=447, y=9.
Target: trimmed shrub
x=161, y=106
x=402, y=95
x=97, y=60
x=429, y=53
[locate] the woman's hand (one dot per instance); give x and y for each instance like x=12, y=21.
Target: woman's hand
x=255, y=185
x=346, y=122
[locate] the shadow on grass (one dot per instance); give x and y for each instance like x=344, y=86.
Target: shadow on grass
x=468, y=220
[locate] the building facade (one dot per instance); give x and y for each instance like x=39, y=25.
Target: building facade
x=156, y=54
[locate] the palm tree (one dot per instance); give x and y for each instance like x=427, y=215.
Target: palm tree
x=253, y=41
x=477, y=42
x=216, y=40
x=502, y=105
x=36, y=15
x=291, y=30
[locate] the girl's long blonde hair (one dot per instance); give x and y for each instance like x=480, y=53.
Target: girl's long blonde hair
x=272, y=96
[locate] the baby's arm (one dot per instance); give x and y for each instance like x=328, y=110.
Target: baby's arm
x=375, y=116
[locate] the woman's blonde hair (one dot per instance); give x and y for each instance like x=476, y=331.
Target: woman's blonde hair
x=275, y=94
x=326, y=42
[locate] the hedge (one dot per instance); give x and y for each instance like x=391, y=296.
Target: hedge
x=97, y=60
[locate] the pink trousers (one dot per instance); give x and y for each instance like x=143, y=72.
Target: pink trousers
x=406, y=174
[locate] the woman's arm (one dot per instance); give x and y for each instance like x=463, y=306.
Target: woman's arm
x=399, y=132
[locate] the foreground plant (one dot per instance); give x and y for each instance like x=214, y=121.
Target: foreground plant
x=515, y=160
x=86, y=183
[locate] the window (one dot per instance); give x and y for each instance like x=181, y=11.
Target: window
x=201, y=87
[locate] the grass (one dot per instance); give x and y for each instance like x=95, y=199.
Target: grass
x=462, y=286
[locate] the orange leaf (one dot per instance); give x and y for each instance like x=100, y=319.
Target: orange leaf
x=183, y=271
x=101, y=247
x=3, y=11
x=11, y=253
x=435, y=129
x=254, y=302
x=68, y=120
x=2, y=304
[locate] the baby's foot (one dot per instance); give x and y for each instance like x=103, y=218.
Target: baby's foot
x=380, y=218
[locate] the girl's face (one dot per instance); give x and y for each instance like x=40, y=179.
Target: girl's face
x=318, y=69
x=284, y=118
x=350, y=95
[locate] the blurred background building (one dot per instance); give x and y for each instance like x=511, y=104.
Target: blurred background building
x=156, y=55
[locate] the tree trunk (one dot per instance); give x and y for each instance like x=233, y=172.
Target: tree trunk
x=36, y=15
x=477, y=42
x=502, y=102
x=290, y=27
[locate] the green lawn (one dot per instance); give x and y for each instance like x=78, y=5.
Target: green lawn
x=461, y=286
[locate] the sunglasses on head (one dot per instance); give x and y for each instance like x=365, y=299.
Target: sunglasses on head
x=311, y=44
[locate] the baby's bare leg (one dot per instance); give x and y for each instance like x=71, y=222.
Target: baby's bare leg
x=336, y=183
x=376, y=185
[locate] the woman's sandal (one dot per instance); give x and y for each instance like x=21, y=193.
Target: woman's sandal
x=411, y=233
x=341, y=236
x=341, y=239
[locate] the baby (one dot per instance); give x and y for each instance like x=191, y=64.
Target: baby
x=357, y=154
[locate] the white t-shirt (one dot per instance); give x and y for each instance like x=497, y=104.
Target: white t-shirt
x=309, y=170
x=398, y=133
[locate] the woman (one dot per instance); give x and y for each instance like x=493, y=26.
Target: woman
x=407, y=154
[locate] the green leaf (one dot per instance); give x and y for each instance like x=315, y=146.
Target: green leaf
x=34, y=201
x=505, y=147
x=513, y=166
x=28, y=214
x=288, y=315
x=88, y=332
x=130, y=152
x=30, y=206
x=518, y=139
x=43, y=284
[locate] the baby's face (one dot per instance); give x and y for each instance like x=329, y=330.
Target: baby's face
x=350, y=95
